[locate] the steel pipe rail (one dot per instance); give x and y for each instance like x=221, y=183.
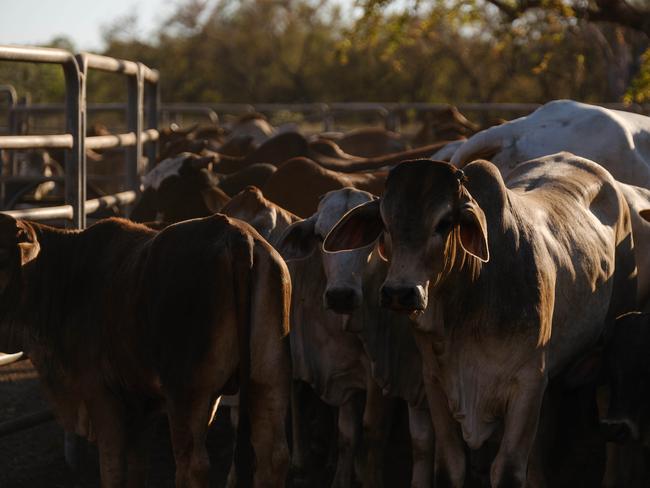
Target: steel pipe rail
x=75, y=154
x=65, y=211
x=64, y=141
x=113, y=65
x=141, y=80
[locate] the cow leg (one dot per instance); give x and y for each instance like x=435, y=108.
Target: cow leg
x=349, y=433
x=422, y=443
x=297, y=455
x=510, y=465
x=268, y=410
x=136, y=455
x=107, y=418
x=376, y=417
x=189, y=413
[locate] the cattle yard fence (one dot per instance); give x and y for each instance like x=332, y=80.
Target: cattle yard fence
x=389, y=113
x=142, y=127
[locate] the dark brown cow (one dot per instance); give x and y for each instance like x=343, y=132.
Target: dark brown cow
x=298, y=184
x=178, y=189
x=370, y=142
x=120, y=320
x=255, y=175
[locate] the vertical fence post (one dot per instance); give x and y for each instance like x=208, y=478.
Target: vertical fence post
x=135, y=115
x=152, y=100
x=75, y=158
x=11, y=122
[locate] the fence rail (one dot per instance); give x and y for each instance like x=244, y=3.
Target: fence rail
x=143, y=98
x=390, y=112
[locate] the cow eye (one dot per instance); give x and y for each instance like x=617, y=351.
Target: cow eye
x=444, y=225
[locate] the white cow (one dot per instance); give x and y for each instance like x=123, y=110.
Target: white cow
x=619, y=141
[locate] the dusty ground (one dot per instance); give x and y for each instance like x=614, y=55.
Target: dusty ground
x=33, y=458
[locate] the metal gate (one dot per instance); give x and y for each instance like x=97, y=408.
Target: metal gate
x=143, y=96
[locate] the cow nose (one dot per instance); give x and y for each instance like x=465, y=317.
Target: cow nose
x=617, y=430
x=406, y=298
x=341, y=300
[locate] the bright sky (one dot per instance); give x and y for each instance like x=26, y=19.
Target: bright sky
x=38, y=21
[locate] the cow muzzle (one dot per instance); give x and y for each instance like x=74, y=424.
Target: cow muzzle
x=620, y=431
x=404, y=298
x=342, y=300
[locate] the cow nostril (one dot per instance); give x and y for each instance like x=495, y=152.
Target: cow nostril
x=402, y=298
x=341, y=300
x=618, y=431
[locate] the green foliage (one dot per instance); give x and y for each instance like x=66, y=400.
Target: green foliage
x=639, y=90
x=375, y=50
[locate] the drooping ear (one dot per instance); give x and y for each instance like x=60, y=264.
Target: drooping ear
x=645, y=214
x=203, y=162
x=384, y=246
x=298, y=240
x=214, y=198
x=27, y=242
x=473, y=228
x=359, y=227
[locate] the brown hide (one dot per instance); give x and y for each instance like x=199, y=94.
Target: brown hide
x=122, y=320
x=298, y=184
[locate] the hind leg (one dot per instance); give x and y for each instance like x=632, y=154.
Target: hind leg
x=189, y=414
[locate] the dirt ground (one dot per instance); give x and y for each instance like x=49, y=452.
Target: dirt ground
x=33, y=458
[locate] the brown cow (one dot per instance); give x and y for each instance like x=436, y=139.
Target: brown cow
x=298, y=184
x=120, y=320
x=267, y=218
x=370, y=142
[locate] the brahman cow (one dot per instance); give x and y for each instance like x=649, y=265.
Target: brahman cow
x=179, y=188
x=344, y=345
x=120, y=320
x=267, y=218
x=494, y=322
x=619, y=141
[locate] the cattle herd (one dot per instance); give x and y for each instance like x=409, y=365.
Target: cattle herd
x=488, y=283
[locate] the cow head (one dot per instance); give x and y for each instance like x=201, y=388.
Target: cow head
x=430, y=223
x=627, y=366
x=343, y=270
x=18, y=246
x=179, y=188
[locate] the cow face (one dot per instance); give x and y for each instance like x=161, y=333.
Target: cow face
x=628, y=371
x=343, y=270
x=429, y=220
x=179, y=188
x=18, y=246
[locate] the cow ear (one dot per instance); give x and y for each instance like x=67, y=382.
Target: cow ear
x=203, y=162
x=359, y=227
x=298, y=241
x=214, y=199
x=384, y=247
x=645, y=214
x=473, y=228
x=27, y=242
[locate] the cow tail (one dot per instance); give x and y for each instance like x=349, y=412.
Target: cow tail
x=242, y=261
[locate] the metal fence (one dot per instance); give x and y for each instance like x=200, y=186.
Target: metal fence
x=142, y=90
